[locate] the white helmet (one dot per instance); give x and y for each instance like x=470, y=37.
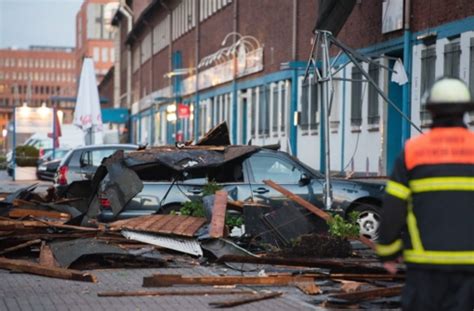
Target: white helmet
x=449, y=95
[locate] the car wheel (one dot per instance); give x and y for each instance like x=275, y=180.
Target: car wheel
x=369, y=220
x=167, y=209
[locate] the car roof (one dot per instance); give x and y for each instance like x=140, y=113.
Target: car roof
x=106, y=146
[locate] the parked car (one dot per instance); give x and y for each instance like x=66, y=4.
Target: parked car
x=82, y=162
x=47, y=170
x=242, y=178
x=50, y=154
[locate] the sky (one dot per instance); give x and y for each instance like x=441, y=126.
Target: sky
x=38, y=22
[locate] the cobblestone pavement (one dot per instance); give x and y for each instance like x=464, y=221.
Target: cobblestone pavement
x=20, y=291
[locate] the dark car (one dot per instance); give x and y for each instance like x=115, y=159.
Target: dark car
x=243, y=179
x=50, y=154
x=47, y=170
x=81, y=163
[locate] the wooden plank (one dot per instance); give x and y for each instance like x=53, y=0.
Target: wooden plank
x=310, y=207
x=149, y=223
x=20, y=246
x=46, y=257
x=20, y=213
x=195, y=225
x=157, y=225
x=309, y=288
x=370, y=294
x=247, y=299
x=176, y=279
x=34, y=268
x=188, y=221
x=218, y=215
x=176, y=293
x=169, y=227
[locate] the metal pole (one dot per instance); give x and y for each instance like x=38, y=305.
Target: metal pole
x=325, y=110
x=14, y=144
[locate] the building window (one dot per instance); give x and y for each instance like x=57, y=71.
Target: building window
x=96, y=54
x=373, y=107
x=105, y=55
x=428, y=64
x=309, y=105
x=452, y=56
x=209, y=7
x=136, y=59
x=253, y=117
x=274, y=101
x=356, y=97
x=146, y=48
x=184, y=18
x=283, y=106
x=263, y=113
x=161, y=35
x=112, y=55
x=96, y=23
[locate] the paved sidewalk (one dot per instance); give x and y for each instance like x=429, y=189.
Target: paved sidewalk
x=20, y=291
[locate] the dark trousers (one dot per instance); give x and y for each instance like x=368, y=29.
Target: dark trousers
x=427, y=289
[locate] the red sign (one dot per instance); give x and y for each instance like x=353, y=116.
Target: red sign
x=183, y=111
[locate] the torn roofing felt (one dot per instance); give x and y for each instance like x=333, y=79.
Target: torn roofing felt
x=186, y=159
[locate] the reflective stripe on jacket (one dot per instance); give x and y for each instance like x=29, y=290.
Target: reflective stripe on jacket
x=429, y=202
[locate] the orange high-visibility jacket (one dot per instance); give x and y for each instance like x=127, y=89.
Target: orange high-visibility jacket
x=428, y=211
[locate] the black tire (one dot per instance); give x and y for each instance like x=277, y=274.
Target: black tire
x=167, y=209
x=369, y=220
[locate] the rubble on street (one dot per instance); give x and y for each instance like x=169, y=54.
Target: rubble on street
x=275, y=248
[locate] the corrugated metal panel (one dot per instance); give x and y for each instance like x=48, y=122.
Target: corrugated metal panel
x=180, y=244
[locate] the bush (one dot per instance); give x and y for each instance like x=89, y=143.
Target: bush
x=341, y=228
x=26, y=155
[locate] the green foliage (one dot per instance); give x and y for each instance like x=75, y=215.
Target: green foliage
x=234, y=220
x=192, y=208
x=211, y=188
x=339, y=227
x=26, y=155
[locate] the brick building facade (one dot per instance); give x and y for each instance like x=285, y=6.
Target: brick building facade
x=94, y=36
x=37, y=76
x=243, y=61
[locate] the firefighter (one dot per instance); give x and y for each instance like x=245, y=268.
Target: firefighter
x=428, y=209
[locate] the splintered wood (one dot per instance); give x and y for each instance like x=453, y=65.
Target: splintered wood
x=218, y=215
x=164, y=224
x=33, y=268
x=159, y=280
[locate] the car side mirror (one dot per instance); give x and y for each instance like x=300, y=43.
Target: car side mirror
x=304, y=179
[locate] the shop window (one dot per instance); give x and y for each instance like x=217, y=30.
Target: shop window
x=373, y=117
x=428, y=64
x=356, y=98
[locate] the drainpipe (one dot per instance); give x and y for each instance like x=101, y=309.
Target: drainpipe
x=407, y=55
x=234, y=80
x=294, y=85
x=197, y=55
x=128, y=14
